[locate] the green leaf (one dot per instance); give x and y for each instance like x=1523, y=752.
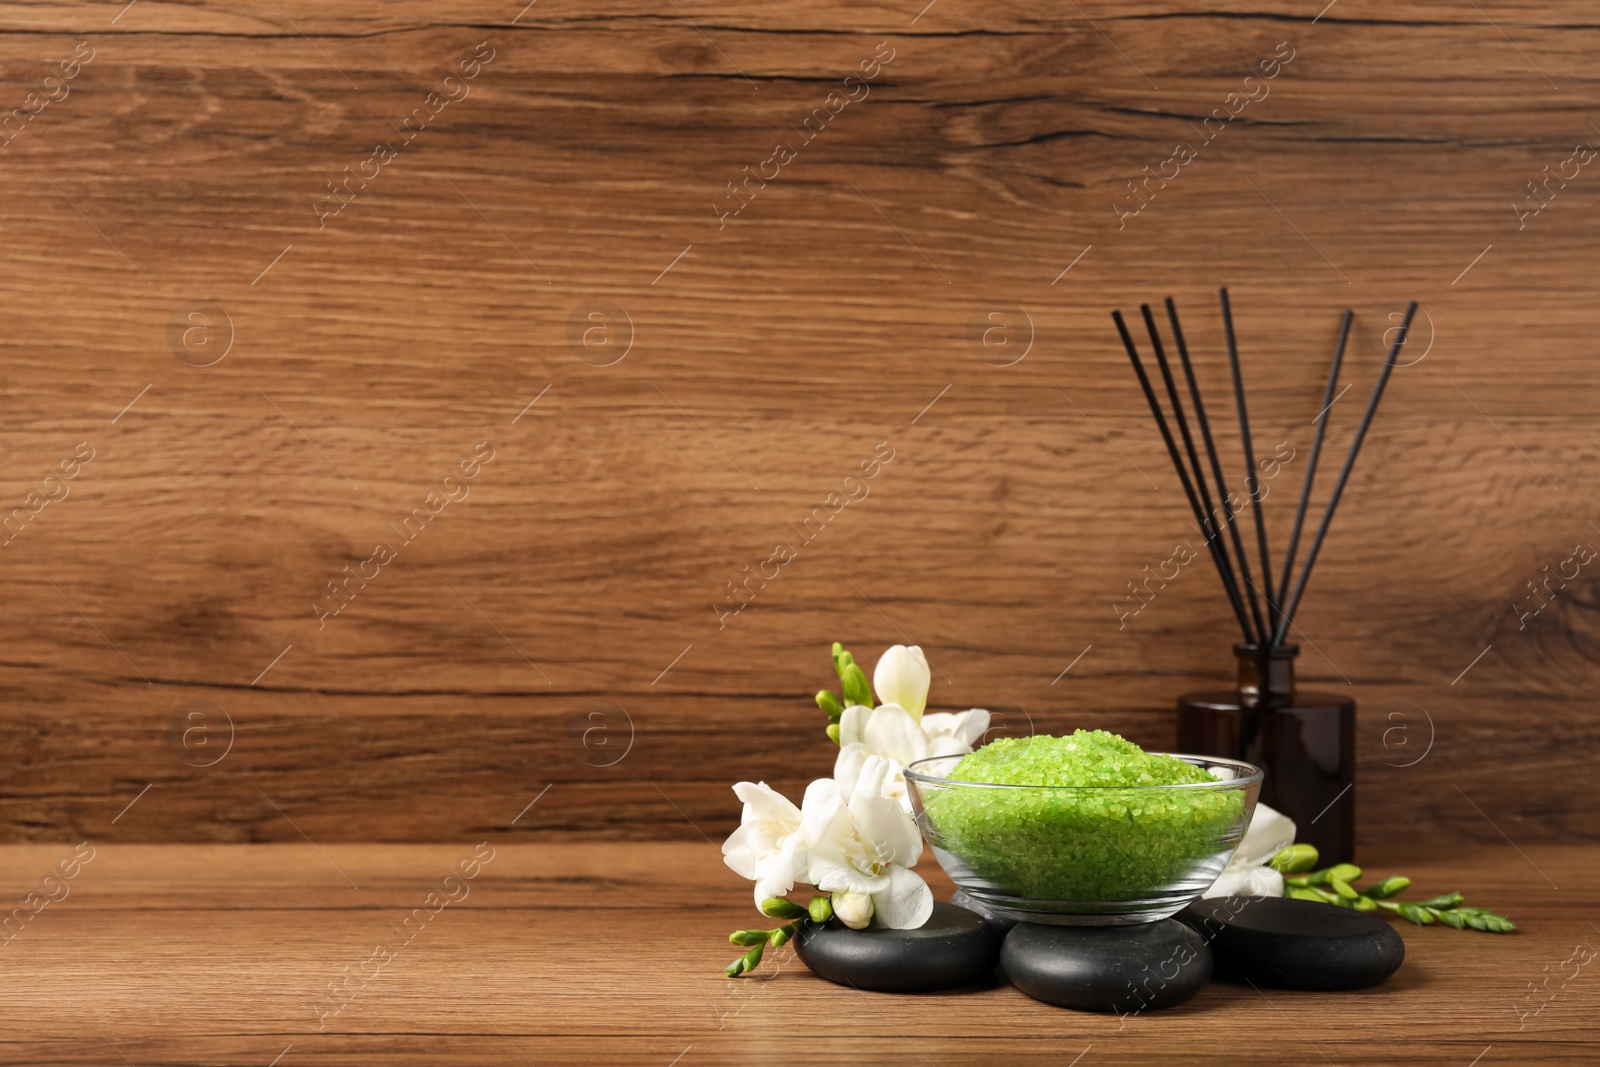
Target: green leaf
x=1388, y=887
x=821, y=909
x=1295, y=859
x=782, y=908
x=748, y=937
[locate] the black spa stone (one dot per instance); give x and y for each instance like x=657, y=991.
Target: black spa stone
x=955, y=948
x=1122, y=969
x=1296, y=944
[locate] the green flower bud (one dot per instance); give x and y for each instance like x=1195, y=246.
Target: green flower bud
x=746, y=963
x=828, y=702
x=1344, y=872
x=1295, y=858
x=1420, y=916
x=1447, y=900
x=1362, y=903
x=1389, y=887
x=833, y=732
x=1342, y=887
x=747, y=937
x=857, y=690
x=782, y=908
x=821, y=909
x=780, y=937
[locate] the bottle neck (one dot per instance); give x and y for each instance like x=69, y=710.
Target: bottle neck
x=1266, y=675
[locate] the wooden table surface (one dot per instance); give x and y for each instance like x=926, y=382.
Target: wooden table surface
x=612, y=954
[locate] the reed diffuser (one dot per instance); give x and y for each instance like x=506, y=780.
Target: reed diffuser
x=1305, y=741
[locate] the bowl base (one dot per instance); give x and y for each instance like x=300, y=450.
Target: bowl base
x=1129, y=913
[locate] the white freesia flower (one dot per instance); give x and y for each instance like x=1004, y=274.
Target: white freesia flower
x=888, y=731
x=853, y=841
x=768, y=847
x=861, y=841
x=902, y=678
x=1247, y=874
x=952, y=734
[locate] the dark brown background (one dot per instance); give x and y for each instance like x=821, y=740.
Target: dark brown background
x=766, y=363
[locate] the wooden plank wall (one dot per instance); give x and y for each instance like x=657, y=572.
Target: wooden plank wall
x=254, y=380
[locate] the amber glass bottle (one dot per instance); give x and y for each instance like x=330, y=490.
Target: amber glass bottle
x=1306, y=742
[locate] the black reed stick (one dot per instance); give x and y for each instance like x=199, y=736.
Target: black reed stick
x=1252, y=479
x=1211, y=446
x=1183, y=475
x=1344, y=475
x=1210, y=521
x=1311, y=464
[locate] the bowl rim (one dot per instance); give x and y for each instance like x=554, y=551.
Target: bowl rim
x=1251, y=774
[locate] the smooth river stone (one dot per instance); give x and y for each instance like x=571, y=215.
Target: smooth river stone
x=1122, y=969
x=1296, y=944
x=955, y=948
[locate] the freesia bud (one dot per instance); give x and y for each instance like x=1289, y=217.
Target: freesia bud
x=853, y=680
x=1295, y=859
x=782, y=908
x=853, y=909
x=902, y=678
x=1388, y=887
x=833, y=732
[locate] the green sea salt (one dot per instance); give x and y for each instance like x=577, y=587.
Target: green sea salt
x=1118, y=839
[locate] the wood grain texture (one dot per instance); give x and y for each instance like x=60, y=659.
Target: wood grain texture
x=767, y=355
x=221, y=954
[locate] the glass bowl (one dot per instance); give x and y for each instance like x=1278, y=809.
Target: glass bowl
x=1084, y=855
